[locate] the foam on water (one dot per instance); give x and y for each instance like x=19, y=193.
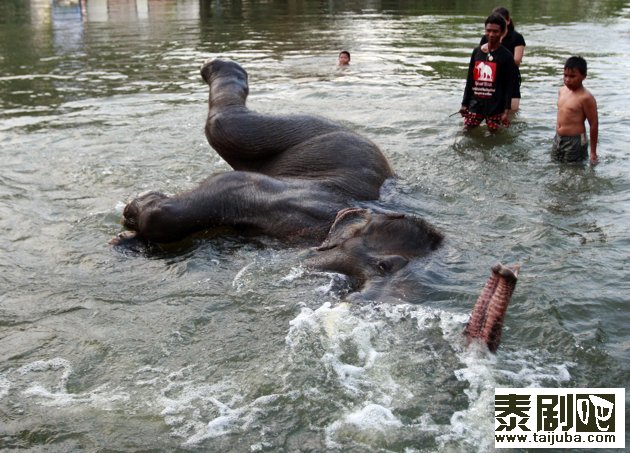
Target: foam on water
x=347, y=334
x=5, y=385
x=334, y=325
x=346, y=342
x=54, y=364
x=196, y=411
x=184, y=413
x=474, y=426
x=237, y=282
x=369, y=423
x=294, y=273
x=369, y=377
x=46, y=381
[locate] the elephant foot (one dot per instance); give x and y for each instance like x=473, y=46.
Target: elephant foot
x=486, y=319
x=205, y=70
x=231, y=72
x=140, y=217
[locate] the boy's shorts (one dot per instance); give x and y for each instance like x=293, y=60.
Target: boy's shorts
x=474, y=119
x=569, y=148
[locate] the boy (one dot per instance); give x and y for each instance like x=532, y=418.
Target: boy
x=575, y=105
x=344, y=59
x=491, y=72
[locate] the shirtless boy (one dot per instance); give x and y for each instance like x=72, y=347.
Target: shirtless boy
x=575, y=106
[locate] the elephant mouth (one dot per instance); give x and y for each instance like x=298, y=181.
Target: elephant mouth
x=324, y=247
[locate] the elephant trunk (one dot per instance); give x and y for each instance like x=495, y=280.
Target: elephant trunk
x=486, y=319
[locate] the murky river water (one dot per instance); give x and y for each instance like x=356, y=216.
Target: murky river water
x=228, y=344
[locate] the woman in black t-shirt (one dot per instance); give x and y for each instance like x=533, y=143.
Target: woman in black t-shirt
x=515, y=43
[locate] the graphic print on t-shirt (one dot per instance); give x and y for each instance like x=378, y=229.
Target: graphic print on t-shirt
x=484, y=77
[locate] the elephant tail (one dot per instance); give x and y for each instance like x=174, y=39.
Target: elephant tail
x=488, y=315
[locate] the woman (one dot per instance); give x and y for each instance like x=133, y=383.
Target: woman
x=515, y=43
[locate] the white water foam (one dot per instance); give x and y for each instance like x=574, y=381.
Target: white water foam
x=367, y=378
x=53, y=391
x=474, y=426
x=237, y=281
x=198, y=411
x=346, y=333
x=343, y=340
x=335, y=326
x=5, y=386
x=294, y=273
x=370, y=423
x=337, y=285
x=55, y=364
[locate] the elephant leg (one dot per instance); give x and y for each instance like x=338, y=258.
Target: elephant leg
x=245, y=139
x=488, y=315
x=248, y=140
x=249, y=202
x=242, y=137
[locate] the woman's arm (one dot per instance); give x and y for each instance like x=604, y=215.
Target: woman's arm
x=518, y=54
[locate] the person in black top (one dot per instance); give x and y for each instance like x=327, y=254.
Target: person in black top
x=488, y=92
x=515, y=43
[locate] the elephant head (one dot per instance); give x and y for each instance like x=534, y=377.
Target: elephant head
x=365, y=245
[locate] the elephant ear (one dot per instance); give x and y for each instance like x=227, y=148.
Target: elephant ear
x=347, y=223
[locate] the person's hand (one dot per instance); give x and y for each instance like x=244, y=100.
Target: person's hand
x=463, y=110
x=505, y=120
x=594, y=161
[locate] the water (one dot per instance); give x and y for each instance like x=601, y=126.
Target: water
x=229, y=344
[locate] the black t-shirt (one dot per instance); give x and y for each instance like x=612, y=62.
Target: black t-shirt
x=490, y=81
x=512, y=40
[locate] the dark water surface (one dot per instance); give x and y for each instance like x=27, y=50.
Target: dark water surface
x=228, y=344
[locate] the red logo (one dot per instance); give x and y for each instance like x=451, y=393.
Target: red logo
x=485, y=71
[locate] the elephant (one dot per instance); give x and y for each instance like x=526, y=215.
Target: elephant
x=298, y=178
